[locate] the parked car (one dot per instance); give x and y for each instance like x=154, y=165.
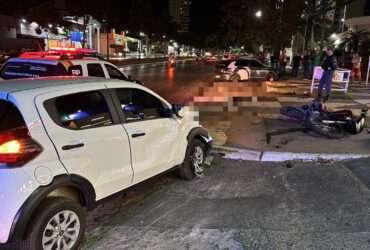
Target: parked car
x=66, y=144
x=243, y=69
x=76, y=62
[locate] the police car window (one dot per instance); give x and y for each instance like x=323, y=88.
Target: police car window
x=95, y=69
x=14, y=70
x=83, y=110
x=75, y=70
x=115, y=73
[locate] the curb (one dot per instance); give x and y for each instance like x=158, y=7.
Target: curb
x=237, y=153
x=273, y=156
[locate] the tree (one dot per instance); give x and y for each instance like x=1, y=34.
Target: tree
x=317, y=21
x=150, y=17
x=205, y=22
x=18, y=8
x=354, y=39
x=280, y=22
x=44, y=14
x=274, y=29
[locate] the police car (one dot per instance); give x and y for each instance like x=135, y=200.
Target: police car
x=60, y=62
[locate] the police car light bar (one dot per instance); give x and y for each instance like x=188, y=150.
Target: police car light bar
x=61, y=53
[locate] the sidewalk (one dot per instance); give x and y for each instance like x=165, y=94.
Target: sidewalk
x=240, y=115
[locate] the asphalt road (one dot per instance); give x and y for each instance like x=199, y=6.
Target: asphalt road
x=178, y=84
x=242, y=205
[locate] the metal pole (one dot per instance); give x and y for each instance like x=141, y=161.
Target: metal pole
x=368, y=70
x=47, y=41
x=98, y=39
x=344, y=17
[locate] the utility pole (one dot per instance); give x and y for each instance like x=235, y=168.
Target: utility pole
x=107, y=30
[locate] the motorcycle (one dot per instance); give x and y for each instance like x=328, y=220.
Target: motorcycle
x=317, y=118
x=171, y=61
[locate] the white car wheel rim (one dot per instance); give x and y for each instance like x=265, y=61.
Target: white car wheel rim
x=198, y=159
x=62, y=231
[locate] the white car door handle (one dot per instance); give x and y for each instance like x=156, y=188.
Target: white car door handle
x=139, y=134
x=69, y=147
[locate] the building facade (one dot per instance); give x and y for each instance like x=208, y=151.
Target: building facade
x=358, y=15
x=180, y=13
x=358, y=8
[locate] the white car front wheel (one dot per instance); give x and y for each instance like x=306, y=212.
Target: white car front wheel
x=193, y=165
x=243, y=74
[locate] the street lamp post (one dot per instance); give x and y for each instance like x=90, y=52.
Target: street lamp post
x=258, y=13
x=142, y=37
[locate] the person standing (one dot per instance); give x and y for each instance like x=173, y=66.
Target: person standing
x=329, y=65
x=307, y=64
x=282, y=62
x=356, y=67
x=268, y=58
x=274, y=60
x=296, y=63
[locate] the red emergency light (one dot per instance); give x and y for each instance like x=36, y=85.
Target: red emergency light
x=57, y=53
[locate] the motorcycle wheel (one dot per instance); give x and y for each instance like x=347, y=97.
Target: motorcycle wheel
x=355, y=126
x=332, y=131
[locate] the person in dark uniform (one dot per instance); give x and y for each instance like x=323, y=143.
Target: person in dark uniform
x=329, y=65
x=307, y=65
x=296, y=63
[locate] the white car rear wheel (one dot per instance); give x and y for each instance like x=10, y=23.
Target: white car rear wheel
x=59, y=224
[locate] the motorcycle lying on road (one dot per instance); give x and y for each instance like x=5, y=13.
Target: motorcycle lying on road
x=317, y=118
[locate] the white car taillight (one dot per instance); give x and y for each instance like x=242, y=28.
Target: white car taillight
x=17, y=147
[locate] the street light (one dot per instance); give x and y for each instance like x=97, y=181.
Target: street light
x=34, y=25
x=23, y=20
x=334, y=36
x=50, y=25
x=258, y=13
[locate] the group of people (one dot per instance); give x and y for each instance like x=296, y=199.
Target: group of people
x=328, y=60
x=310, y=59
x=329, y=63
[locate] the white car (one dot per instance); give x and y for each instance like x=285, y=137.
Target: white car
x=67, y=143
x=243, y=69
x=79, y=62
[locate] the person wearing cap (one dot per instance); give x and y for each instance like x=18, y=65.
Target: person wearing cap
x=329, y=65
